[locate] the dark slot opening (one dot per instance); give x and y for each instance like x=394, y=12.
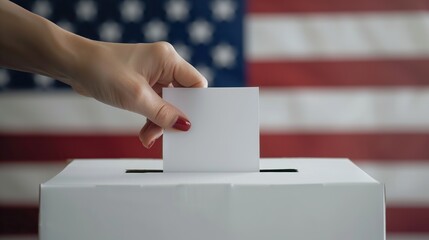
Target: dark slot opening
x=290, y=170
x=143, y=171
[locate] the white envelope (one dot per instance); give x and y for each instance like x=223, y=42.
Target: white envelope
x=224, y=136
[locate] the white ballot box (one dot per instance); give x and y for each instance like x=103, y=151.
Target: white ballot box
x=296, y=199
x=212, y=187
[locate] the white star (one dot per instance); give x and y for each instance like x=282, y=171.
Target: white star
x=86, y=10
x=200, y=31
x=223, y=10
x=42, y=8
x=110, y=31
x=207, y=72
x=183, y=50
x=177, y=10
x=43, y=81
x=155, y=31
x=223, y=55
x=66, y=25
x=131, y=10
x=4, y=78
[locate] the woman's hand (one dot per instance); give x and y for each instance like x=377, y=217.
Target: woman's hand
x=131, y=76
x=128, y=76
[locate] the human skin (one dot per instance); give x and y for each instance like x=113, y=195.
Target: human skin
x=127, y=76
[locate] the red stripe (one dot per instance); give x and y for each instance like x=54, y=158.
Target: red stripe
x=407, y=219
x=356, y=146
x=18, y=220
x=359, y=146
x=46, y=147
x=412, y=72
x=308, y=6
x=24, y=220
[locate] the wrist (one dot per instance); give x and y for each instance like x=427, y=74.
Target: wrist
x=73, y=54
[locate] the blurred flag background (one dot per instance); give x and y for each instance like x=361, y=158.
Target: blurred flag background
x=338, y=79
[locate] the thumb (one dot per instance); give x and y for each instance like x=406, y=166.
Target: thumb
x=162, y=113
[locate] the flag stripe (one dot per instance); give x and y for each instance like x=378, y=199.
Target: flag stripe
x=337, y=36
x=64, y=111
x=339, y=73
x=356, y=146
x=331, y=110
x=19, y=182
x=35, y=237
x=311, y=6
x=18, y=219
x=401, y=236
x=407, y=219
x=24, y=220
x=57, y=147
x=391, y=236
x=282, y=110
x=406, y=181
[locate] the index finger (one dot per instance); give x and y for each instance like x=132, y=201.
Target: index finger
x=187, y=76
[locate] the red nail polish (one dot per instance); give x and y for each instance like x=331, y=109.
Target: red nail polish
x=182, y=124
x=150, y=144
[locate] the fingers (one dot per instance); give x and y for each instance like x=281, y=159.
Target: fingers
x=187, y=76
x=79, y=89
x=160, y=112
x=149, y=134
x=176, y=69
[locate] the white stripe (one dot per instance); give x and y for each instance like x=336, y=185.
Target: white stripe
x=345, y=109
x=396, y=236
x=406, y=183
x=341, y=35
x=63, y=112
x=281, y=110
x=19, y=182
x=389, y=237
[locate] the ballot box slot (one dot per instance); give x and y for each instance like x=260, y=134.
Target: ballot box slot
x=143, y=171
x=285, y=170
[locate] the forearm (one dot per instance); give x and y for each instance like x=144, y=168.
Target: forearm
x=33, y=44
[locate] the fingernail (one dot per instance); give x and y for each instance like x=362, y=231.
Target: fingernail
x=182, y=124
x=150, y=144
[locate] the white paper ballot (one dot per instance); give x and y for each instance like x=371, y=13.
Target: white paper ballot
x=224, y=136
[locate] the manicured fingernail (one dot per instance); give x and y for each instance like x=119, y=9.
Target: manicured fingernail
x=150, y=144
x=182, y=124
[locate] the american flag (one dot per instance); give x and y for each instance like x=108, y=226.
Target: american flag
x=338, y=79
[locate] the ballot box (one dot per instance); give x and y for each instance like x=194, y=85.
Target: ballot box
x=305, y=199
x=212, y=185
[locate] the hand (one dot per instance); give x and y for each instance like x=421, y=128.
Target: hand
x=131, y=76
x=128, y=76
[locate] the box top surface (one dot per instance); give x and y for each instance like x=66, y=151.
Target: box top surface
x=108, y=172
